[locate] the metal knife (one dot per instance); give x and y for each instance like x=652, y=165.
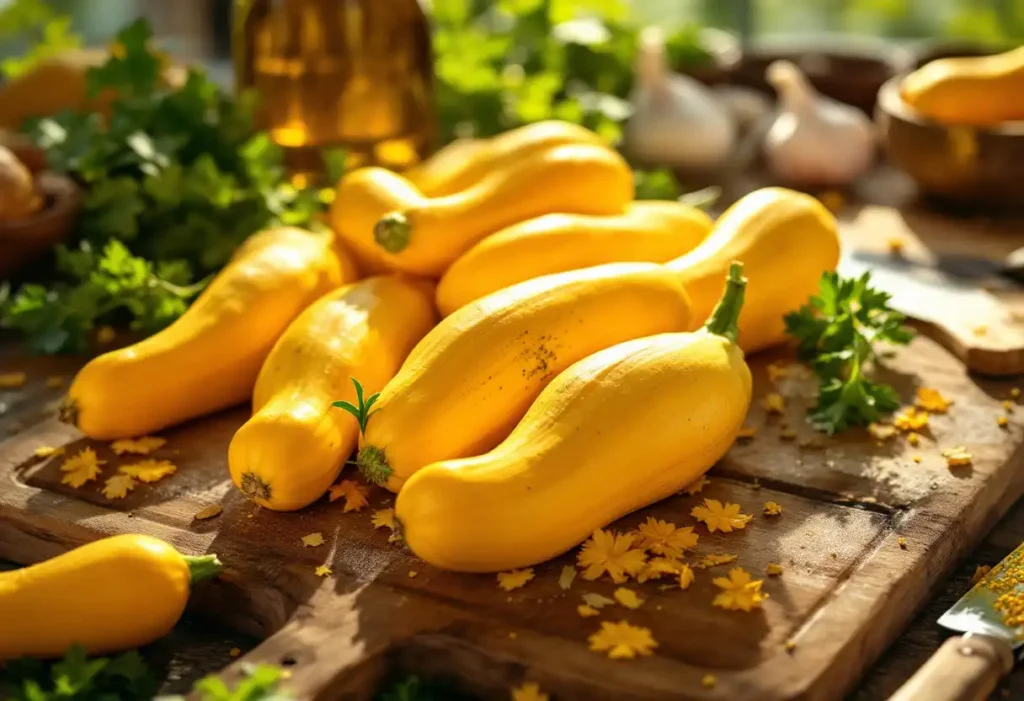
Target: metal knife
x=968, y=667
x=994, y=273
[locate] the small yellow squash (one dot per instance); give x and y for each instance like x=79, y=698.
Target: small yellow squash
x=113, y=594
x=785, y=240
x=209, y=358
x=291, y=450
x=650, y=231
x=464, y=163
x=973, y=90
x=391, y=225
x=469, y=381
x=617, y=431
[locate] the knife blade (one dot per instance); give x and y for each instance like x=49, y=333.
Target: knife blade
x=968, y=667
x=1007, y=273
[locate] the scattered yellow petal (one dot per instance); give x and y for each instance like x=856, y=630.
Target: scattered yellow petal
x=913, y=439
x=149, y=470
x=910, y=419
x=980, y=330
x=313, y=539
x=657, y=567
x=385, y=518
x=566, y=578
x=208, y=512
x=1002, y=422
x=902, y=543
x=773, y=569
x=789, y=646
x=714, y=559
x=324, y=571
x=412, y=574
x=12, y=380
x=529, y=692
x=932, y=400
x=355, y=495
x=774, y=403
x=80, y=468
x=772, y=509
x=514, y=579
x=916, y=458
x=118, y=486
x=628, y=598
x=1008, y=406
x=106, y=334
x=46, y=451
x=138, y=446
x=747, y=432
x=587, y=611
x=607, y=551
x=740, y=592
x=685, y=577
x=979, y=572
x=895, y=245
x=787, y=434
x=1015, y=392
x=777, y=372
x=55, y=381
x=235, y=652
x=957, y=456
x=696, y=487
x=833, y=201
x=597, y=601
x=708, y=681
x=622, y=641
x=664, y=538
x=881, y=431
x=719, y=517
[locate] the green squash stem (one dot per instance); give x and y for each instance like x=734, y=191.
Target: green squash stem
x=724, y=321
x=392, y=232
x=203, y=567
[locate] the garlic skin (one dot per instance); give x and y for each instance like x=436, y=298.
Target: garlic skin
x=815, y=140
x=676, y=120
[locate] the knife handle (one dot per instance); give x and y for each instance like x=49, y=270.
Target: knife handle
x=965, y=668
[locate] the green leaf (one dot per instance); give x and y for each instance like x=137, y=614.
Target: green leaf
x=658, y=184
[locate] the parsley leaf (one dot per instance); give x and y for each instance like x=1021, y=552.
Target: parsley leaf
x=175, y=180
x=77, y=677
x=838, y=332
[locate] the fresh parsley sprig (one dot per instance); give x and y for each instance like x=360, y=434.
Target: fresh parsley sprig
x=362, y=409
x=840, y=332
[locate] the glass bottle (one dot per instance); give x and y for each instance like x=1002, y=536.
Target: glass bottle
x=355, y=74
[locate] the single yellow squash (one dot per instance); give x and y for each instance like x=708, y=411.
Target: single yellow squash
x=785, y=240
x=113, y=594
x=971, y=90
x=619, y=430
x=391, y=225
x=650, y=231
x=469, y=381
x=464, y=163
x=209, y=358
x=291, y=450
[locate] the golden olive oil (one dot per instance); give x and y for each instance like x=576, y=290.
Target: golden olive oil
x=354, y=74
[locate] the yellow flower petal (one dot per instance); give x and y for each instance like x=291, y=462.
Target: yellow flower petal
x=12, y=380
x=313, y=539
x=622, y=640
x=628, y=598
x=208, y=512
x=514, y=579
x=118, y=486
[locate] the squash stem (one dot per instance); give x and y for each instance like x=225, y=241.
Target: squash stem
x=203, y=567
x=724, y=320
x=392, y=232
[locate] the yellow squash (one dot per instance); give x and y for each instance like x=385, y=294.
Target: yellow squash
x=391, y=225
x=974, y=90
x=209, y=358
x=617, y=431
x=113, y=594
x=469, y=381
x=291, y=450
x=463, y=163
x=785, y=240
x=649, y=231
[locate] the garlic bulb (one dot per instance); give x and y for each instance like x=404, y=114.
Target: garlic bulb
x=676, y=120
x=815, y=140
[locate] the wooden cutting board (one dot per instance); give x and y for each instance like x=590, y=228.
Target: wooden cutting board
x=865, y=533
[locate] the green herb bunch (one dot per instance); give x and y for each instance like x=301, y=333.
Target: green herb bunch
x=840, y=331
x=175, y=180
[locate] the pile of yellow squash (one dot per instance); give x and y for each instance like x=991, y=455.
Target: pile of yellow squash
x=580, y=368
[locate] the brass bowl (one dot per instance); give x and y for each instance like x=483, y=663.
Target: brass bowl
x=25, y=239
x=960, y=164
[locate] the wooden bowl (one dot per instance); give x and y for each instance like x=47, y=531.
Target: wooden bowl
x=963, y=165
x=23, y=240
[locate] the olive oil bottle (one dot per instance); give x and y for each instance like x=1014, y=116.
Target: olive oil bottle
x=354, y=74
